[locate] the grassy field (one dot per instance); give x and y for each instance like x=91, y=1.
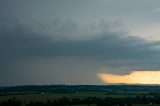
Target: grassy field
x=85, y=105
x=132, y=105
x=25, y=98
x=49, y=96
x=146, y=105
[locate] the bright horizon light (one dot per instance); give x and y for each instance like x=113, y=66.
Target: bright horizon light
x=135, y=77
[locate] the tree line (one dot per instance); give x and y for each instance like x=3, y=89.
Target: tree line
x=66, y=101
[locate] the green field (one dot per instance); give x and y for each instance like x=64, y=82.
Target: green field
x=132, y=105
x=26, y=98
x=49, y=96
x=85, y=105
x=146, y=105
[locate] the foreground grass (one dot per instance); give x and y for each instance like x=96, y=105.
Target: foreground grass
x=146, y=105
x=50, y=96
x=85, y=105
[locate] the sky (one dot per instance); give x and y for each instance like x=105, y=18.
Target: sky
x=73, y=41
x=136, y=77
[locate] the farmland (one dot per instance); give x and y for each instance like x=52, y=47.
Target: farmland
x=81, y=95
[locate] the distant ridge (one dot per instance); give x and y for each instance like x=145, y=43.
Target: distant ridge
x=78, y=88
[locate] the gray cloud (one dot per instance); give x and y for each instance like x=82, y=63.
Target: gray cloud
x=48, y=41
x=18, y=42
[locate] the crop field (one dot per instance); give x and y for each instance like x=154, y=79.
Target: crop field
x=146, y=105
x=85, y=95
x=51, y=96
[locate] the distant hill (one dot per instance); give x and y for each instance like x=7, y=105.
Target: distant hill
x=80, y=88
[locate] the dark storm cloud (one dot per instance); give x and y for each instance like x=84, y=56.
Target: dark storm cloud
x=17, y=40
x=57, y=53
x=20, y=41
x=46, y=39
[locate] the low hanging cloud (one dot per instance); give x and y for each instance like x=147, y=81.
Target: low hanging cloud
x=18, y=42
x=136, y=77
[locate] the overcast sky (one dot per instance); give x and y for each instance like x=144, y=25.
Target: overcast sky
x=71, y=41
